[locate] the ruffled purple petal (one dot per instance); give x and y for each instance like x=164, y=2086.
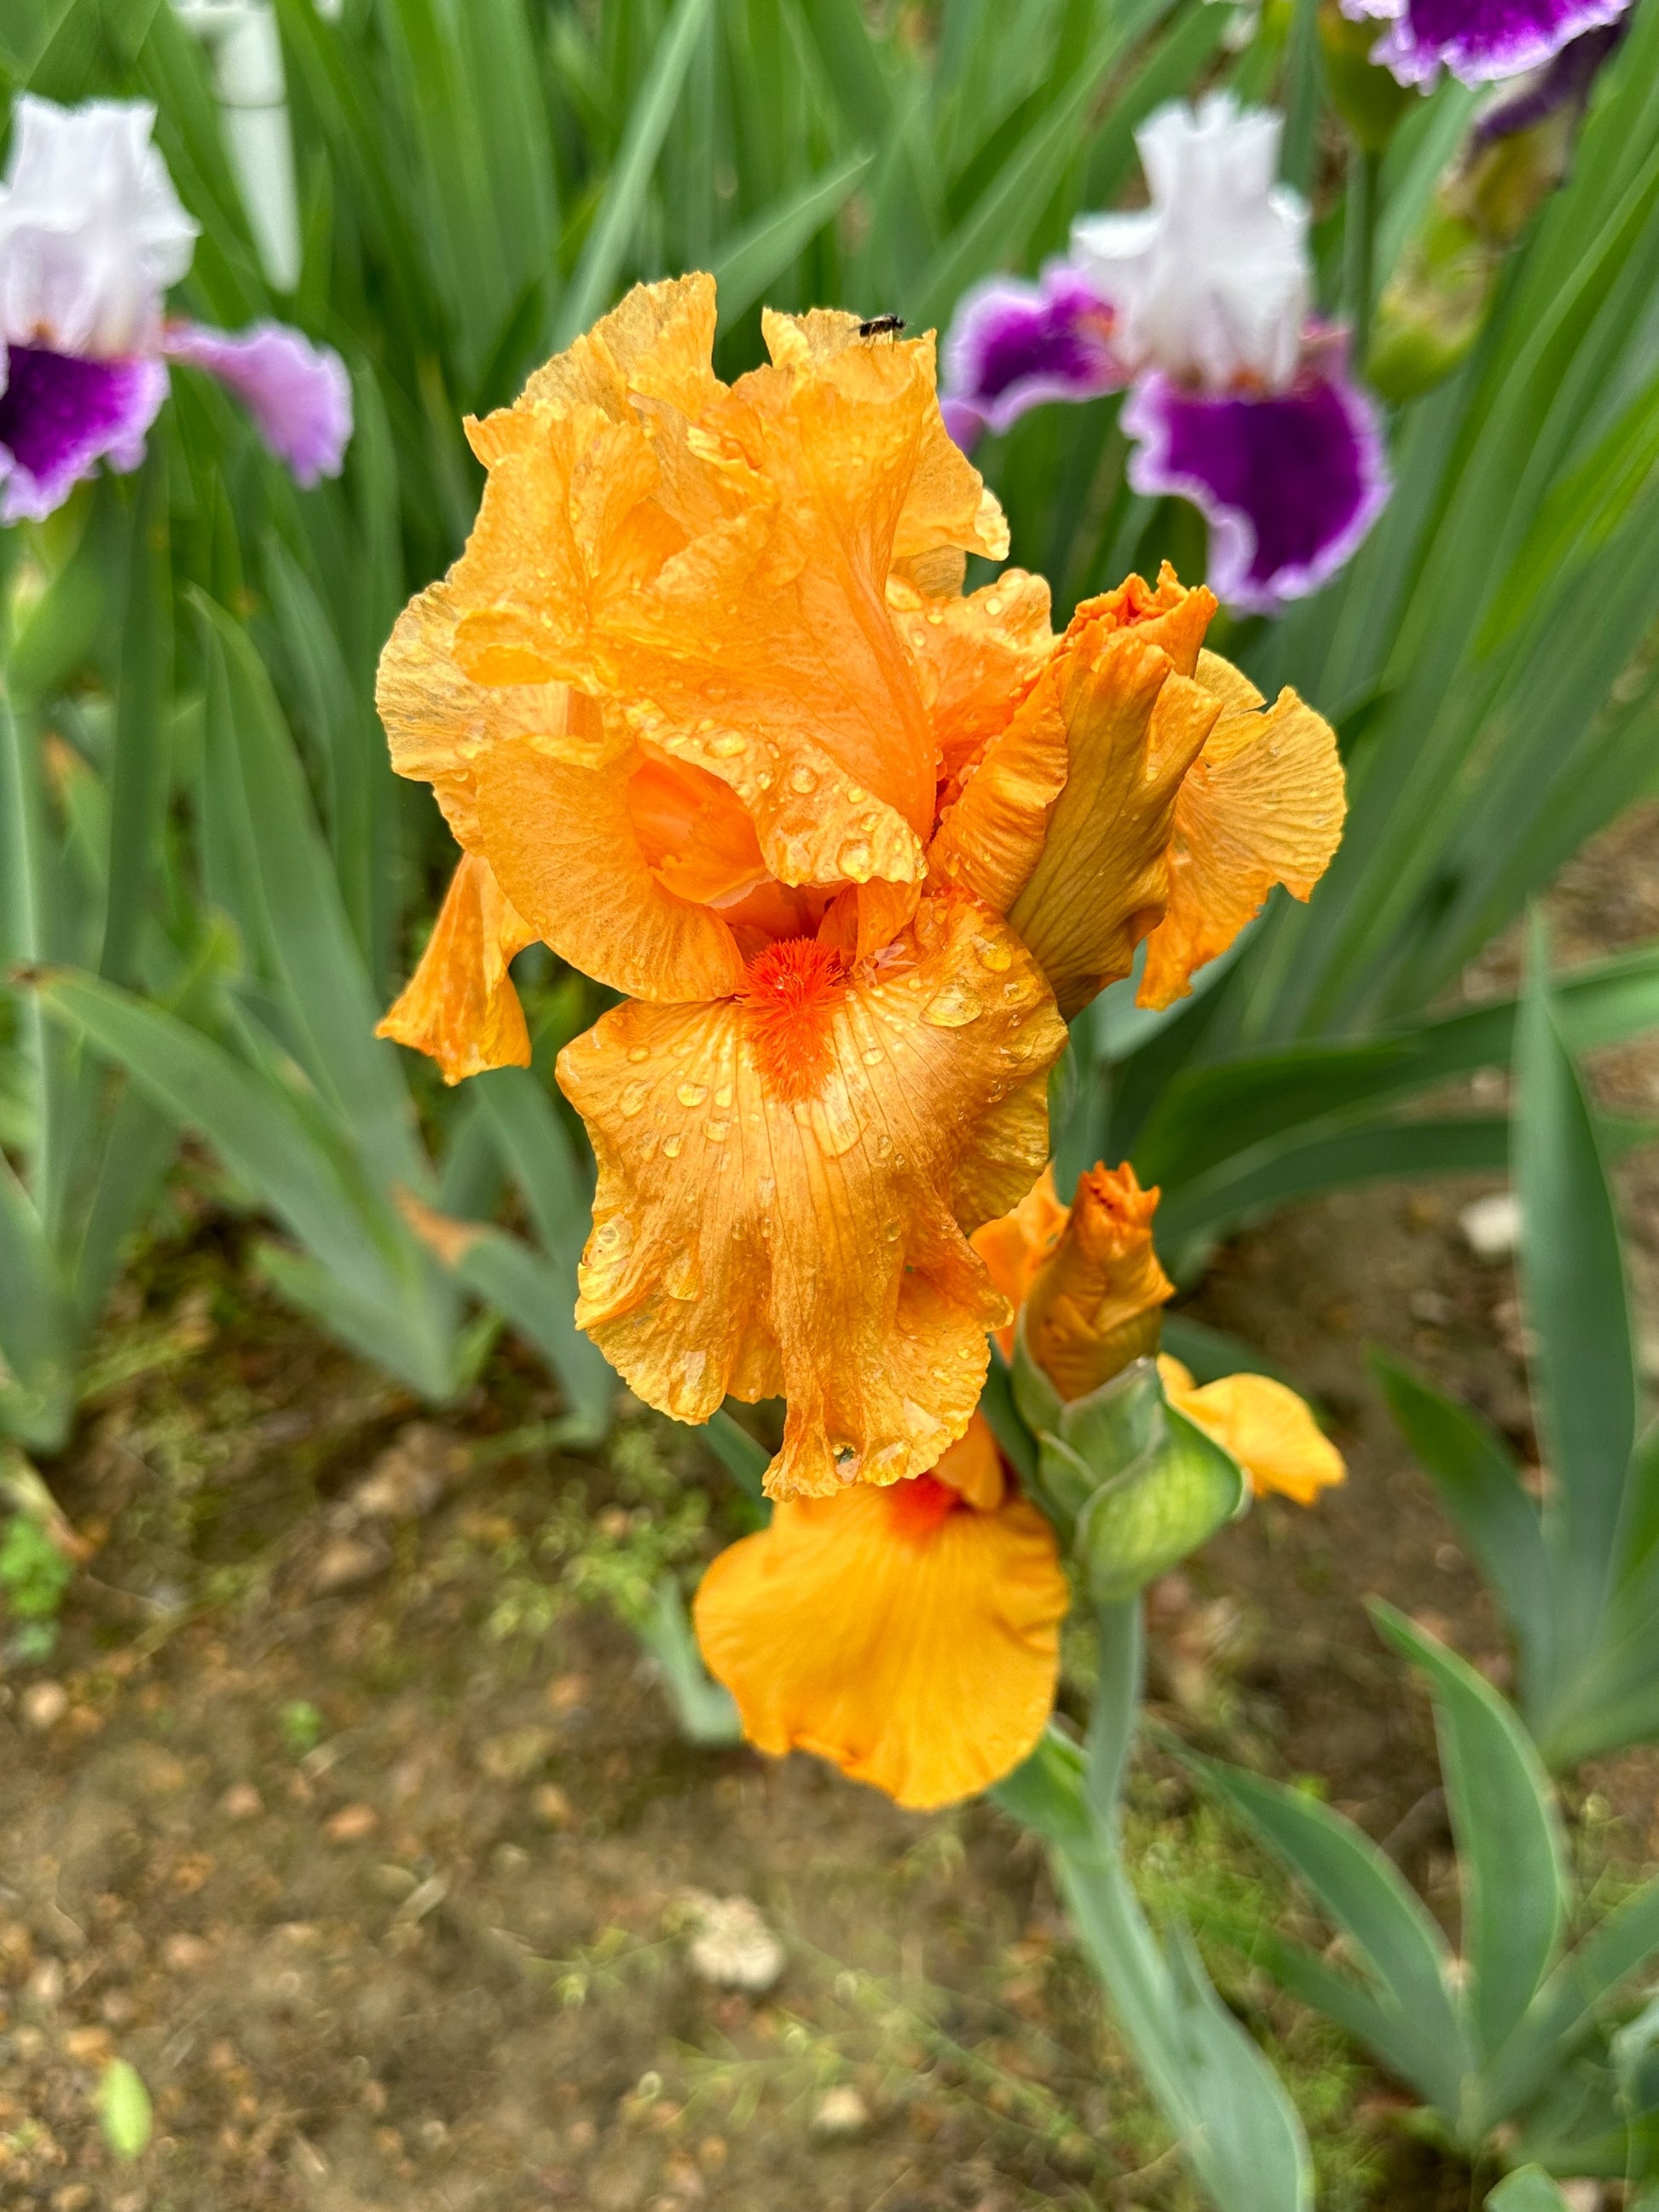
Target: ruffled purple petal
x=60, y=417
x=299, y=394
x=1290, y=483
x=1012, y=346
x=1565, y=83
x=1478, y=40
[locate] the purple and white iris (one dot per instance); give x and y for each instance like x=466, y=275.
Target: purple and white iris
x=91, y=236
x=1199, y=304
x=1478, y=40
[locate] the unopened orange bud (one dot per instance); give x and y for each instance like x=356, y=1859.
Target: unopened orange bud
x=1095, y=1304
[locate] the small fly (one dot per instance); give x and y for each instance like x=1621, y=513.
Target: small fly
x=881, y=327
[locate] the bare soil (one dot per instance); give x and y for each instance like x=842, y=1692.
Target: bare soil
x=349, y=1813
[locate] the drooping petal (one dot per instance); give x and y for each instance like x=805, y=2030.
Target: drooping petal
x=1015, y=1245
x=299, y=394
x=1478, y=40
x=1013, y=345
x=1134, y=727
x=1096, y=1302
x=568, y=853
x=717, y=560
x=91, y=230
x=1269, y=1430
x=1262, y=805
x=787, y=1182
x=1212, y=282
x=60, y=417
x=460, y=1006
x=909, y=1639
x=1289, y=483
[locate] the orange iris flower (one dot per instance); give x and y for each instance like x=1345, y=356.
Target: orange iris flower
x=911, y=1634
x=705, y=706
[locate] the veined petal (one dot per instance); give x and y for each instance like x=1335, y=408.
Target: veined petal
x=1134, y=727
x=1262, y=805
x=1016, y=1244
x=1095, y=1304
x=916, y=1649
x=717, y=562
x=460, y=1006
x=1269, y=1430
x=568, y=854
x=438, y=720
x=784, y=1190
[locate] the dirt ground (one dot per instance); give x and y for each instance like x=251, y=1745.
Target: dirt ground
x=346, y=1810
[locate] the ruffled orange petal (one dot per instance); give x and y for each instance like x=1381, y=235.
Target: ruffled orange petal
x=1094, y=1304
x=438, y=722
x=916, y=1649
x=567, y=849
x=1269, y=1430
x=1014, y=1246
x=460, y=1006
x=718, y=560
x=1262, y=805
x=1134, y=727
x=784, y=1189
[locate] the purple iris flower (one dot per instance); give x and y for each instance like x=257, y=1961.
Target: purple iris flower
x=1199, y=305
x=1013, y=345
x=1477, y=41
x=91, y=236
x=1289, y=482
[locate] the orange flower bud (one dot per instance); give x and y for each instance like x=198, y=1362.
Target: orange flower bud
x=1094, y=1305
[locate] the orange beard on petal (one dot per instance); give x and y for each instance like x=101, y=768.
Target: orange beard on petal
x=792, y=991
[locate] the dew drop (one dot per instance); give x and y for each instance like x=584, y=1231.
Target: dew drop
x=671, y=1147
x=802, y=779
x=723, y=1096
x=855, y=793
x=854, y=859
x=728, y=745
x=873, y=1055
x=997, y=958
x=883, y=1146
x=692, y=1094
x=952, y=1007
x=634, y=1096
x=639, y=1051
x=717, y=1131
x=682, y=1278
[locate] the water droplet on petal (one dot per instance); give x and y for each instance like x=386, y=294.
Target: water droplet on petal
x=634, y=1095
x=994, y=955
x=854, y=792
x=952, y=1006
x=682, y=1278
x=637, y=1053
x=854, y=860
x=671, y=1147
x=723, y=1096
x=802, y=779
x=692, y=1094
x=728, y=745
x=717, y=1131
x=873, y=1055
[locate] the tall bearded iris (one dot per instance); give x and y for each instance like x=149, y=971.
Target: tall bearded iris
x=705, y=706
x=1478, y=40
x=1199, y=303
x=92, y=235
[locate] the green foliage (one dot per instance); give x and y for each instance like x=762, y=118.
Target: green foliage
x=1575, y=1576
x=34, y=1575
x=124, y=2112
x=1515, y=2030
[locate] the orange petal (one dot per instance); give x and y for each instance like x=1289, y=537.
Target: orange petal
x=765, y=1237
x=921, y=1658
x=1095, y=1304
x=564, y=843
x=975, y=658
x=1134, y=727
x=1015, y=1246
x=460, y=1006
x=1269, y=1430
x=719, y=560
x=1262, y=805
x=973, y=1467
x=438, y=722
